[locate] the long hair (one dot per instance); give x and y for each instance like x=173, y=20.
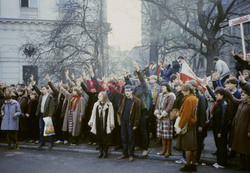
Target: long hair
x=105, y=97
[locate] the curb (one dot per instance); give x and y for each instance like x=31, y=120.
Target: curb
x=207, y=161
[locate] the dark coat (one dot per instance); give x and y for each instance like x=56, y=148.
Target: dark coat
x=165, y=74
x=49, y=106
x=219, y=123
x=241, y=126
x=135, y=110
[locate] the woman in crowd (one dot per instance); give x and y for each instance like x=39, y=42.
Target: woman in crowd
x=33, y=121
x=163, y=107
x=74, y=113
x=10, y=112
x=188, y=141
x=240, y=125
x=102, y=122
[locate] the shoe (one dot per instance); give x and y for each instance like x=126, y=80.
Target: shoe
x=40, y=145
x=215, y=164
x=94, y=143
x=219, y=166
x=100, y=155
x=182, y=160
x=131, y=159
x=187, y=168
x=16, y=147
x=122, y=157
x=31, y=141
x=37, y=142
x=73, y=144
x=65, y=142
x=145, y=153
x=59, y=142
x=105, y=155
x=90, y=143
x=50, y=146
x=194, y=168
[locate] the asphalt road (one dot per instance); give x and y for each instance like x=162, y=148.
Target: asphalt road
x=29, y=161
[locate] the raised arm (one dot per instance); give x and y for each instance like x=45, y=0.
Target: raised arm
x=52, y=86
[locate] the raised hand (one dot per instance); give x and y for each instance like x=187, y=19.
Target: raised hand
x=67, y=73
x=73, y=76
x=32, y=78
x=137, y=68
x=205, y=80
x=233, y=52
x=47, y=77
x=60, y=84
x=241, y=78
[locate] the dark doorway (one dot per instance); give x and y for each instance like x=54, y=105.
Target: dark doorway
x=28, y=70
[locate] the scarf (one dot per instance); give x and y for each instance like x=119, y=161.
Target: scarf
x=73, y=102
x=215, y=105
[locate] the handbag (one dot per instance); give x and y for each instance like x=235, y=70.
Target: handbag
x=173, y=115
x=48, y=127
x=176, y=125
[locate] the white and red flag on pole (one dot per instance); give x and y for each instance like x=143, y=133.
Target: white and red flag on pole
x=188, y=74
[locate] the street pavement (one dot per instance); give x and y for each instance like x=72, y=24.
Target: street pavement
x=206, y=158
x=44, y=161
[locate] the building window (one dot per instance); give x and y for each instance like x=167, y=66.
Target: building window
x=29, y=3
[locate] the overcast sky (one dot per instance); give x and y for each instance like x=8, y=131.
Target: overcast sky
x=125, y=19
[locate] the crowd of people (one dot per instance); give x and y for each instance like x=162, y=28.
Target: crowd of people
x=152, y=103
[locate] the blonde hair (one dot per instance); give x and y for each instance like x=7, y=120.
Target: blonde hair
x=105, y=97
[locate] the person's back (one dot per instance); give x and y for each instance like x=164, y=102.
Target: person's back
x=222, y=67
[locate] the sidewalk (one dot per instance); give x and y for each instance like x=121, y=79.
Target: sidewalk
x=155, y=148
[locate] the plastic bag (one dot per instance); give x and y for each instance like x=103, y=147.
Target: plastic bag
x=48, y=127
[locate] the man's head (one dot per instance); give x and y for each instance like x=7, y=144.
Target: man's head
x=128, y=91
x=180, y=59
x=248, y=58
x=20, y=91
x=215, y=59
x=240, y=54
x=173, y=78
x=219, y=93
x=232, y=83
x=44, y=90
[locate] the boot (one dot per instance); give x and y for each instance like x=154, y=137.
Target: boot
x=100, y=152
x=164, y=147
x=169, y=147
x=8, y=141
x=105, y=154
x=15, y=142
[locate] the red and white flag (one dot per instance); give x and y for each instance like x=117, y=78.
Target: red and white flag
x=188, y=74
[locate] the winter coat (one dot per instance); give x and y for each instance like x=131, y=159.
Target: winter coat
x=165, y=74
x=187, y=112
x=49, y=106
x=220, y=121
x=240, y=125
x=8, y=121
x=23, y=123
x=108, y=111
x=167, y=105
x=135, y=109
x=78, y=114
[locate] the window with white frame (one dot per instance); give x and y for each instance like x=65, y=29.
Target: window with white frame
x=29, y=3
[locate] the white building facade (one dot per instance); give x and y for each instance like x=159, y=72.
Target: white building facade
x=21, y=21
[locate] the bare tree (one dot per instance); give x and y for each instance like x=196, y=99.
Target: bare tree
x=203, y=25
x=77, y=40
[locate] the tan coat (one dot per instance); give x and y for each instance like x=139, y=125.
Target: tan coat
x=110, y=118
x=77, y=114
